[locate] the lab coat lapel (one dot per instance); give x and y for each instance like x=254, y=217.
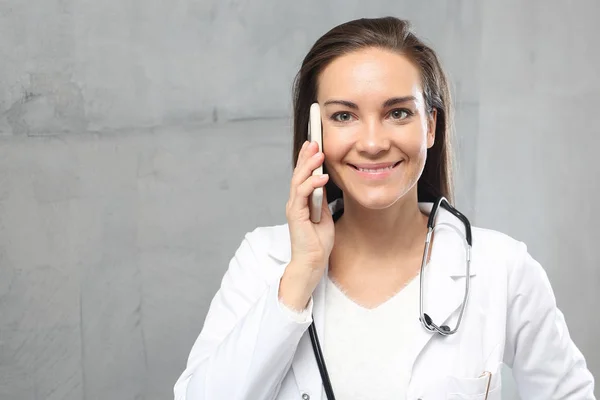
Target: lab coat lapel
x=442, y=296
x=304, y=364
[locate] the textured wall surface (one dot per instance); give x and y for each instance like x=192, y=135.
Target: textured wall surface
x=112, y=247
x=139, y=141
x=539, y=133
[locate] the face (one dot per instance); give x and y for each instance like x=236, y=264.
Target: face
x=376, y=130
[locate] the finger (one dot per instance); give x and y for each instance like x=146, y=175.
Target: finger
x=302, y=172
x=308, y=151
x=302, y=152
x=299, y=162
x=304, y=190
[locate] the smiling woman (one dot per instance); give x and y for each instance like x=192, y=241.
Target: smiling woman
x=380, y=121
x=404, y=313
x=412, y=85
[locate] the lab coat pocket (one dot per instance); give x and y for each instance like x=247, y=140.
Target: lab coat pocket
x=475, y=388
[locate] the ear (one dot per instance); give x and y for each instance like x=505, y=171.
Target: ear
x=431, y=124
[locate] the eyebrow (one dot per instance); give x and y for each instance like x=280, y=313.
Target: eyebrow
x=388, y=103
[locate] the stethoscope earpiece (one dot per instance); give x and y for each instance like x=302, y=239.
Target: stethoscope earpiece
x=427, y=322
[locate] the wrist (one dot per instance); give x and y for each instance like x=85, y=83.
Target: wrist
x=296, y=287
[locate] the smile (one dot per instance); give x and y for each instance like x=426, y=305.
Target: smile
x=375, y=171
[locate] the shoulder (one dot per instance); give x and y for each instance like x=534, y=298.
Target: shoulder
x=266, y=249
x=489, y=244
x=499, y=255
x=259, y=258
x=268, y=234
x=271, y=240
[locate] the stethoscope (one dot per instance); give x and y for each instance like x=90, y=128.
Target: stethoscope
x=425, y=319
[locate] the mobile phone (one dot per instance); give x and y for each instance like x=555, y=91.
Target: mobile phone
x=315, y=133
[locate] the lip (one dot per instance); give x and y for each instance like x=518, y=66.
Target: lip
x=375, y=166
x=376, y=175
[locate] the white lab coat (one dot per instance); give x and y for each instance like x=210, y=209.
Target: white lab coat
x=250, y=349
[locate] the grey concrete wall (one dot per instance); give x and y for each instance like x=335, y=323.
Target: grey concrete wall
x=113, y=245
x=116, y=227
x=539, y=134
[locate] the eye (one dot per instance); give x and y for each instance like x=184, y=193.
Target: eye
x=341, y=116
x=400, y=113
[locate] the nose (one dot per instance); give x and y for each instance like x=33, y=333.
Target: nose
x=373, y=138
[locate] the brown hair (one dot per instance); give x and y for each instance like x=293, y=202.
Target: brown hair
x=393, y=34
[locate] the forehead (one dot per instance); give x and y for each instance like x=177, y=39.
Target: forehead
x=369, y=72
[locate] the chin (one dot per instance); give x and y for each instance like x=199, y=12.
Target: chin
x=377, y=198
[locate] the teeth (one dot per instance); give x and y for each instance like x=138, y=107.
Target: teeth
x=376, y=170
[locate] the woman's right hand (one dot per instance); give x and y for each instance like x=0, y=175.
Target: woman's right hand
x=311, y=243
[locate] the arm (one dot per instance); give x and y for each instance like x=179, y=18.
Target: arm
x=248, y=340
x=546, y=363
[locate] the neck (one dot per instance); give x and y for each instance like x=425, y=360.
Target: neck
x=396, y=232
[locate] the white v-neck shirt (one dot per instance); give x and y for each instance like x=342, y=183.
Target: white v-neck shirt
x=365, y=349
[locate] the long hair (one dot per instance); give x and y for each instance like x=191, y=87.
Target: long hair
x=392, y=34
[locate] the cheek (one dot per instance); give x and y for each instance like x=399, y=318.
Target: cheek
x=335, y=145
x=414, y=144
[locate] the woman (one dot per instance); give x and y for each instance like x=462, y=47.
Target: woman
x=386, y=116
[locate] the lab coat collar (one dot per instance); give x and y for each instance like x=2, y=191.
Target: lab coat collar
x=448, y=247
